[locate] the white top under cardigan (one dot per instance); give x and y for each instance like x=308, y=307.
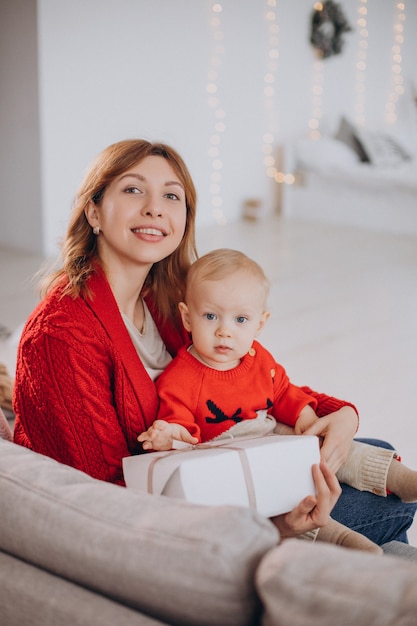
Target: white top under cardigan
x=149, y=345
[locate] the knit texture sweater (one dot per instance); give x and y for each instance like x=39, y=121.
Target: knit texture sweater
x=208, y=401
x=82, y=395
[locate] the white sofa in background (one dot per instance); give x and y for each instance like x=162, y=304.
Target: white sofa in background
x=364, y=179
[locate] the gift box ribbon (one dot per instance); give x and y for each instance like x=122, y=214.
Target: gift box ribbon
x=247, y=474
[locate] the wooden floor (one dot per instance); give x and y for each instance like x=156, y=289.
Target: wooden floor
x=343, y=314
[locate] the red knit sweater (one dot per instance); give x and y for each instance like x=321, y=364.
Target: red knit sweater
x=208, y=401
x=82, y=394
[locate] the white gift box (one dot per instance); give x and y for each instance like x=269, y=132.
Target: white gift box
x=271, y=474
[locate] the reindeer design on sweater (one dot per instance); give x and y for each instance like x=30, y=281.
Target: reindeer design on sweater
x=220, y=416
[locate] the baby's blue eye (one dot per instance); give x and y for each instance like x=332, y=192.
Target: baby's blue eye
x=210, y=316
x=241, y=319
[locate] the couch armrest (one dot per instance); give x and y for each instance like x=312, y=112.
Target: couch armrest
x=322, y=585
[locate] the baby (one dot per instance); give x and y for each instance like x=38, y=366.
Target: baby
x=226, y=384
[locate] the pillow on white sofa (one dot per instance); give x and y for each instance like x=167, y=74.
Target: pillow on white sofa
x=377, y=148
x=324, y=154
x=382, y=150
x=347, y=135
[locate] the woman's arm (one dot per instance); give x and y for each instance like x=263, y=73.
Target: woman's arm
x=64, y=402
x=337, y=426
x=337, y=431
x=327, y=404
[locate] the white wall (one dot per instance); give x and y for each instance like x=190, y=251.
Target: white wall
x=111, y=69
x=20, y=206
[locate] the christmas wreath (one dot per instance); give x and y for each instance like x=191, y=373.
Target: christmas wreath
x=328, y=24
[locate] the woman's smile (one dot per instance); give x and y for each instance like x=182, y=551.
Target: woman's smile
x=149, y=234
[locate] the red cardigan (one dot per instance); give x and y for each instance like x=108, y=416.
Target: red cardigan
x=82, y=394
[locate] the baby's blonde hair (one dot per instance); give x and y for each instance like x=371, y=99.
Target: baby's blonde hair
x=221, y=263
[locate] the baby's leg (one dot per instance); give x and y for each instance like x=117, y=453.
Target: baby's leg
x=366, y=468
x=402, y=481
x=341, y=535
x=375, y=469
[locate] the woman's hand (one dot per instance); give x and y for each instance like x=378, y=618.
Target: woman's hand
x=337, y=431
x=314, y=511
x=161, y=435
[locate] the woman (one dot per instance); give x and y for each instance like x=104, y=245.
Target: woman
x=109, y=324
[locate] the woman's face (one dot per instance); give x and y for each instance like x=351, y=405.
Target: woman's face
x=142, y=215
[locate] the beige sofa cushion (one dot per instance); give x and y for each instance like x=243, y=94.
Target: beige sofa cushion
x=177, y=562
x=320, y=584
x=29, y=596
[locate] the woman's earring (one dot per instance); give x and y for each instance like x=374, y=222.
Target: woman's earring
x=96, y=230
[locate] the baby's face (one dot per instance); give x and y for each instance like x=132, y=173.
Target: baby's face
x=224, y=317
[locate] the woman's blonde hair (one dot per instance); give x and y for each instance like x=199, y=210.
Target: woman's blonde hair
x=221, y=263
x=165, y=282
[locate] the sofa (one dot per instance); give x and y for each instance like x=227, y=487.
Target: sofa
x=75, y=551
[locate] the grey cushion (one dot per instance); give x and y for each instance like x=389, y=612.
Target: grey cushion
x=29, y=595
x=347, y=134
x=373, y=147
x=401, y=550
x=177, y=562
x=323, y=585
x=382, y=150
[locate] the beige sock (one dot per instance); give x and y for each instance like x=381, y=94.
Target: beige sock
x=402, y=481
x=341, y=535
x=366, y=468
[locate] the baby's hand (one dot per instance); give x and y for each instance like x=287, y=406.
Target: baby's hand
x=161, y=434
x=305, y=420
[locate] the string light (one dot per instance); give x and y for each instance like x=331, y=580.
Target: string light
x=269, y=91
x=397, y=79
x=317, y=96
x=317, y=91
x=361, y=62
x=219, y=115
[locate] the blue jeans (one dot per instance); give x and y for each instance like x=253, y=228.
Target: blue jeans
x=380, y=519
